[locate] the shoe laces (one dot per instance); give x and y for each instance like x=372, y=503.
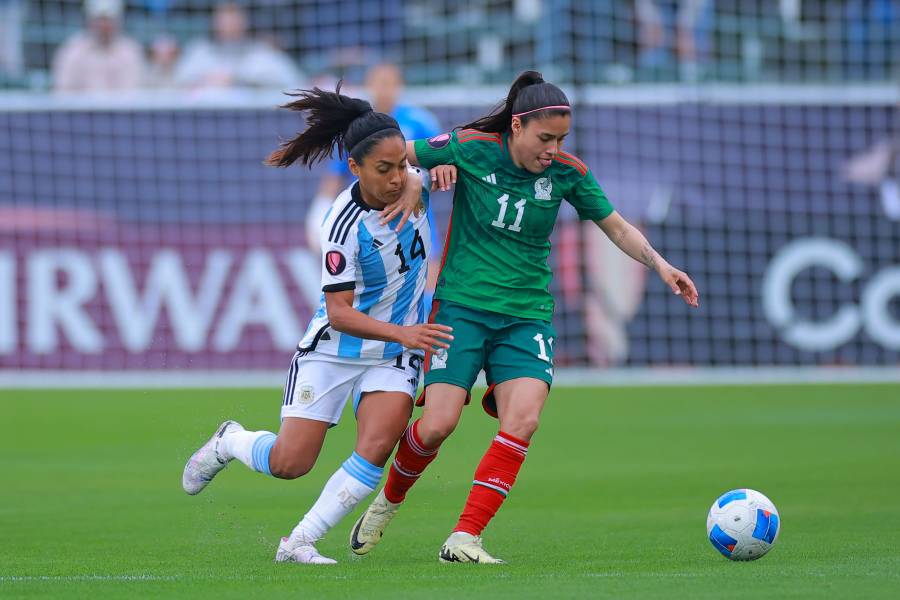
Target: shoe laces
x=369, y=525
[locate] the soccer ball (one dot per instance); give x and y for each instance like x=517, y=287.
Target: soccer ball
x=743, y=524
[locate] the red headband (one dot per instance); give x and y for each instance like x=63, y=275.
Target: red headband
x=558, y=107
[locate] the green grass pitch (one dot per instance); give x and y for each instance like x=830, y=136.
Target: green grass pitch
x=611, y=502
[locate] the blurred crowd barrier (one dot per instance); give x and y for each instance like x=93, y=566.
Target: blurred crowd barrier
x=153, y=237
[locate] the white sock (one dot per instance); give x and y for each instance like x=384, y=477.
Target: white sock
x=250, y=447
x=350, y=484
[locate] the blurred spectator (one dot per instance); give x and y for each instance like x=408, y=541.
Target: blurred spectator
x=384, y=83
x=101, y=58
x=163, y=58
x=12, y=15
x=681, y=25
x=232, y=59
x=879, y=167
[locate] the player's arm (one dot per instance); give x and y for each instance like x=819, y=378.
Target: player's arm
x=592, y=204
x=442, y=176
x=633, y=243
x=346, y=319
x=438, y=154
x=411, y=197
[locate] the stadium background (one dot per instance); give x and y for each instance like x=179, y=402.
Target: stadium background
x=141, y=232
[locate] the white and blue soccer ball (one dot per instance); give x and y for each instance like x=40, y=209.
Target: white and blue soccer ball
x=743, y=524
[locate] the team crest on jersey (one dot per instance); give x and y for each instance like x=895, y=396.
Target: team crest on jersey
x=439, y=141
x=335, y=262
x=306, y=395
x=439, y=359
x=543, y=188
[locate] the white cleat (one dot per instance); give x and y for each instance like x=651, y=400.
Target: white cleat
x=370, y=527
x=303, y=553
x=464, y=547
x=205, y=463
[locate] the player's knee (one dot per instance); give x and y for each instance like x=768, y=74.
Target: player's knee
x=523, y=427
x=376, y=449
x=289, y=469
x=530, y=427
x=434, y=433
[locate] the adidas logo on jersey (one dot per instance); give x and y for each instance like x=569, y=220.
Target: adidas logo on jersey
x=492, y=178
x=377, y=244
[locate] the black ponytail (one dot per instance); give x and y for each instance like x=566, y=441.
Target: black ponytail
x=528, y=92
x=332, y=120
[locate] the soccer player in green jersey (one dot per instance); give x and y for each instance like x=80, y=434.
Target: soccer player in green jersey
x=493, y=289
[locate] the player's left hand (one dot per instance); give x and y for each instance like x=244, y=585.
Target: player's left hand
x=442, y=177
x=680, y=284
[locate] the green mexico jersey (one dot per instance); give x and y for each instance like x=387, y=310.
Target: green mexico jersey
x=499, y=234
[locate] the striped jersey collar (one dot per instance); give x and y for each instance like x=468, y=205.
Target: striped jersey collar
x=356, y=198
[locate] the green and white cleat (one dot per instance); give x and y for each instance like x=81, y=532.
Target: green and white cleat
x=368, y=530
x=205, y=463
x=464, y=547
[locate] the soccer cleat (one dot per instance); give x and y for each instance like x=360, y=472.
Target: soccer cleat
x=205, y=463
x=303, y=553
x=368, y=530
x=464, y=547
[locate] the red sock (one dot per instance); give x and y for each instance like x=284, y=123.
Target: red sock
x=494, y=477
x=411, y=459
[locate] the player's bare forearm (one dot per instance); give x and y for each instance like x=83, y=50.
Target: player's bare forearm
x=347, y=319
x=633, y=243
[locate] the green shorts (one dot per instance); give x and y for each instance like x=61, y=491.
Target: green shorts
x=506, y=347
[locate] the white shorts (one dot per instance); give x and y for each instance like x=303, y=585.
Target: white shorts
x=318, y=385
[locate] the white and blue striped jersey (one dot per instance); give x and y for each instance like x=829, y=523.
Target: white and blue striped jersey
x=385, y=269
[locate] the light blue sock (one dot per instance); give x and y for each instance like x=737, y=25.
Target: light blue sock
x=350, y=484
x=250, y=447
x=362, y=470
x=262, y=447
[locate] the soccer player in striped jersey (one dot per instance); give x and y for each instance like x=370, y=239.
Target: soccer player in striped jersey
x=367, y=339
x=493, y=289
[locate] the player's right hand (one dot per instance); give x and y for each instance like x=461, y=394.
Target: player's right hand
x=425, y=336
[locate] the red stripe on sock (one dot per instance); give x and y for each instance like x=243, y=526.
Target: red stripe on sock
x=512, y=441
x=498, y=468
x=415, y=442
x=411, y=459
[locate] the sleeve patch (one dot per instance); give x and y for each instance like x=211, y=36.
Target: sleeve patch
x=439, y=141
x=335, y=262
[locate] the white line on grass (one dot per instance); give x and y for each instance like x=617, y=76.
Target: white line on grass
x=30, y=578
x=620, y=377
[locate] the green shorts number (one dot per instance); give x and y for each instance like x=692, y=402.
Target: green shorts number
x=505, y=347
